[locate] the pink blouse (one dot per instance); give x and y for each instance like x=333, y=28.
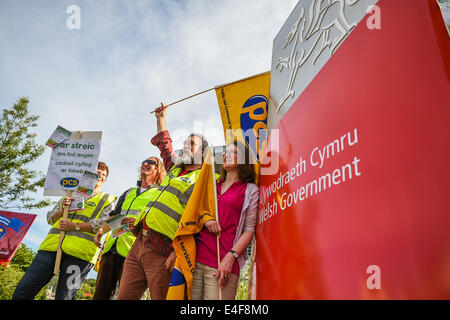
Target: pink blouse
x=230, y=206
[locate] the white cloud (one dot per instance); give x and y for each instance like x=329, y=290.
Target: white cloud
x=127, y=58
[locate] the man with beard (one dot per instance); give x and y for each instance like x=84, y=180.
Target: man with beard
x=130, y=204
x=150, y=261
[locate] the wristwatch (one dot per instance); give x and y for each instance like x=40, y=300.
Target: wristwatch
x=77, y=227
x=235, y=254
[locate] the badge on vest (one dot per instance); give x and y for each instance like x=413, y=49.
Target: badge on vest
x=185, y=179
x=90, y=204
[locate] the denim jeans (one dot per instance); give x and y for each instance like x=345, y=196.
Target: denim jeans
x=72, y=273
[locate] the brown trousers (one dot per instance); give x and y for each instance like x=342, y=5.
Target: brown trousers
x=144, y=268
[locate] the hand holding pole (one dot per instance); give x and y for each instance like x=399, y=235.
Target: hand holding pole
x=62, y=233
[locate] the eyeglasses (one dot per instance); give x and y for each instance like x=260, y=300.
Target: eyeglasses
x=149, y=162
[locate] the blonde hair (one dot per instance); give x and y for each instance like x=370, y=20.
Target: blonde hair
x=160, y=170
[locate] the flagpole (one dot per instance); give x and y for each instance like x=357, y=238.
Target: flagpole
x=197, y=94
x=213, y=173
x=216, y=87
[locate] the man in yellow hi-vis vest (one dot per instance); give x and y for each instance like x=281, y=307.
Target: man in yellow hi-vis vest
x=130, y=204
x=78, y=249
x=150, y=262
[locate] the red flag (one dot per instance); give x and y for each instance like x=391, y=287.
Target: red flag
x=13, y=228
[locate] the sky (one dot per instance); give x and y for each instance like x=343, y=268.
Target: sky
x=126, y=57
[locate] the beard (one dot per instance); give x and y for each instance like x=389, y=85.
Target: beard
x=184, y=159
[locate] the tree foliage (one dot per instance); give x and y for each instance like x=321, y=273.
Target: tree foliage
x=87, y=290
x=11, y=274
x=17, y=150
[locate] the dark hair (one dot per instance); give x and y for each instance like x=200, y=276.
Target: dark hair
x=246, y=169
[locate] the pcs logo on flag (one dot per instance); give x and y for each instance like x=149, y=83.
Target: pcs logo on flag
x=253, y=119
x=12, y=223
x=2, y=232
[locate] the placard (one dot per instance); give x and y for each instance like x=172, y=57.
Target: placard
x=77, y=203
x=117, y=228
x=59, y=135
x=69, y=162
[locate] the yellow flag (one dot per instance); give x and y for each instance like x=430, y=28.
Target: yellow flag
x=100, y=255
x=243, y=107
x=200, y=208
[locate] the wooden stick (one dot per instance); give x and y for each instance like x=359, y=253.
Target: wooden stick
x=213, y=172
x=216, y=87
x=171, y=104
x=61, y=232
x=218, y=263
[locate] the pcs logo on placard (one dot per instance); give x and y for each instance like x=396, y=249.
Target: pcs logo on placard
x=69, y=182
x=253, y=119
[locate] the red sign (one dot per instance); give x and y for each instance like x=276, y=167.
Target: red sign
x=359, y=207
x=13, y=228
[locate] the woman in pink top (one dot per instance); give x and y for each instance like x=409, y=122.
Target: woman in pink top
x=237, y=199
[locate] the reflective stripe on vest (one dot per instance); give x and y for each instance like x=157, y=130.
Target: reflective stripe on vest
x=131, y=212
x=77, y=243
x=131, y=207
x=167, y=210
x=182, y=197
x=73, y=233
x=167, y=204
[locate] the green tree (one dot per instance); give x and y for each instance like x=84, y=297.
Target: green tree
x=11, y=274
x=23, y=257
x=87, y=290
x=244, y=278
x=9, y=278
x=17, y=150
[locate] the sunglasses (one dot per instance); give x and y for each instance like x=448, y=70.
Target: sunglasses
x=149, y=162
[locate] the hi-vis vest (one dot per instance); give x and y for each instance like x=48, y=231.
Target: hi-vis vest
x=131, y=207
x=167, y=203
x=77, y=243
